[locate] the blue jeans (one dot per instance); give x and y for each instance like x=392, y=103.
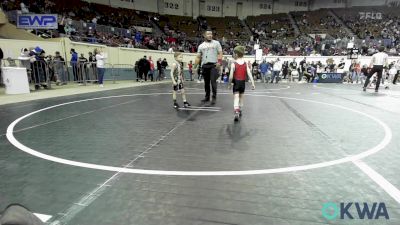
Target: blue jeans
x=75, y=71
x=100, y=73
x=275, y=74
x=61, y=75
x=264, y=76
x=355, y=77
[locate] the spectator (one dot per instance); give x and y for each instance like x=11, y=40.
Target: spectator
x=50, y=68
x=138, y=37
x=151, y=71
x=164, y=65
x=302, y=68
x=130, y=44
x=277, y=67
x=144, y=68
x=190, y=66
x=264, y=68
x=309, y=72
x=24, y=9
x=92, y=67
x=74, y=64
x=293, y=66
x=24, y=57
x=254, y=70
x=83, y=68
x=38, y=67
x=285, y=69
x=136, y=69
x=1, y=58
x=159, y=69
x=100, y=64
x=171, y=49
x=59, y=69
x=355, y=70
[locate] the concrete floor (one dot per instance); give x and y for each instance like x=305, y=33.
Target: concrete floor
x=283, y=126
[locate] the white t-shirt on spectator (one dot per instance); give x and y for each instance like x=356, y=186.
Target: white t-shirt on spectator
x=277, y=66
x=100, y=60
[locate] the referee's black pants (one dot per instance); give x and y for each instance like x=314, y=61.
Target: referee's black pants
x=378, y=70
x=210, y=75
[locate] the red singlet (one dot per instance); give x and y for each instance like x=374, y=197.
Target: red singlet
x=240, y=71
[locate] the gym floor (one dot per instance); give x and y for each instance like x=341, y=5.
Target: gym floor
x=127, y=157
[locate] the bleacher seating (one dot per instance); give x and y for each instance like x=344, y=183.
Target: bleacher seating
x=318, y=22
x=228, y=27
x=275, y=26
x=175, y=24
x=367, y=27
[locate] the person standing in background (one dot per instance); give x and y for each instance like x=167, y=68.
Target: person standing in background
x=285, y=69
x=151, y=72
x=82, y=63
x=276, y=69
x=159, y=69
x=302, y=68
x=1, y=58
x=254, y=70
x=59, y=69
x=190, y=65
x=24, y=57
x=264, y=68
x=144, y=68
x=356, y=72
x=74, y=64
x=136, y=68
x=100, y=64
x=92, y=60
x=364, y=73
x=164, y=65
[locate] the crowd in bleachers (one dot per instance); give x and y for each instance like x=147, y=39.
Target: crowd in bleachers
x=267, y=27
x=380, y=26
x=319, y=22
x=89, y=22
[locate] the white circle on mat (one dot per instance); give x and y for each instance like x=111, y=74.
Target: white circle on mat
x=383, y=143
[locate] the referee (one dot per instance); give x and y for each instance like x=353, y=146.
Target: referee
x=378, y=62
x=210, y=55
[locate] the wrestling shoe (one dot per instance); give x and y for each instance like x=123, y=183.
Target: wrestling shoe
x=176, y=106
